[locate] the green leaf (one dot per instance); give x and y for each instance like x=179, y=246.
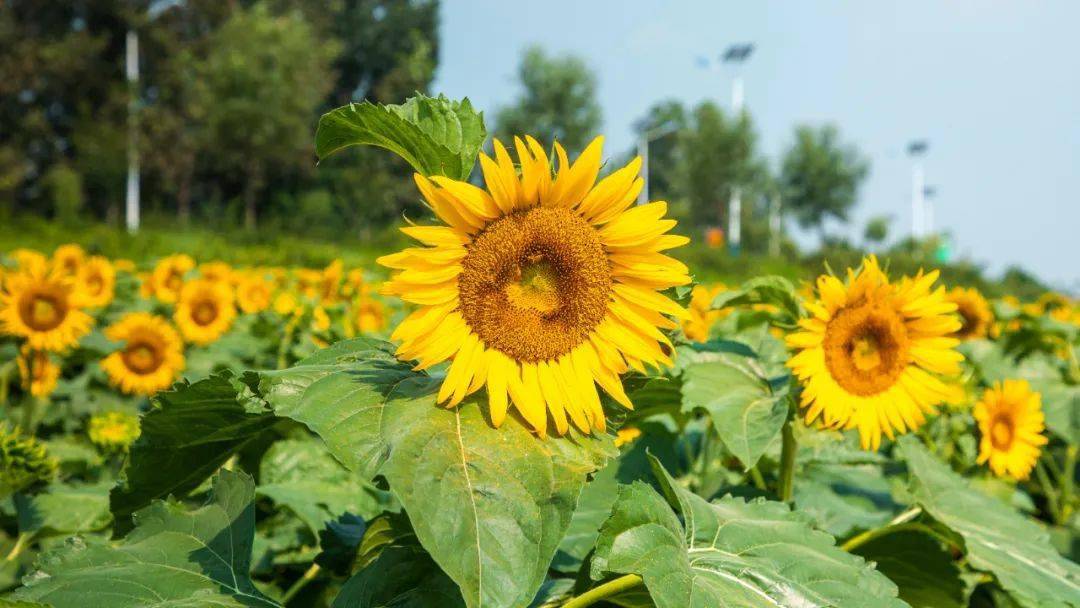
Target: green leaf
x=64, y=509
x=435, y=135
x=592, y=511
x=843, y=499
x=998, y=540
x=775, y=290
x=924, y=571
x=193, y=430
x=746, y=413
x=490, y=505
x=340, y=542
x=173, y=557
x=1061, y=406
x=730, y=553
x=401, y=576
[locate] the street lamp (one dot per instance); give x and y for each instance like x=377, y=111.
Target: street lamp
x=916, y=150
x=644, y=138
x=928, y=208
x=736, y=54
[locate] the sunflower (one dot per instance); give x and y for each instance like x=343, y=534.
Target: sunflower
x=151, y=357
x=28, y=258
x=286, y=304
x=330, y=282
x=1011, y=424
x=42, y=307
x=96, y=282
x=539, y=286
x=205, y=311
x=216, y=271
x=168, y=278
x=702, y=316
x=38, y=372
x=124, y=265
x=254, y=294
x=368, y=315
x=975, y=316
x=113, y=431
x=69, y=259
x=626, y=435
x=871, y=354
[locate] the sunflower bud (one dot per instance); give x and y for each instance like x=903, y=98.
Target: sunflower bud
x=23, y=461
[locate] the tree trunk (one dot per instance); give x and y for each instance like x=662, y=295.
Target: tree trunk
x=251, y=193
x=183, y=201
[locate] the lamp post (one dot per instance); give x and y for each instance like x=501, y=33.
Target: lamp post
x=646, y=136
x=736, y=54
x=928, y=209
x=916, y=150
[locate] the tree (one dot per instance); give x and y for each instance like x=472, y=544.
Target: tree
x=558, y=101
x=665, y=154
x=820, y=176
x=257, y=89
x=877, y=229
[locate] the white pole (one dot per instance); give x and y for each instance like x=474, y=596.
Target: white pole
x=917, y=205
x=643, y=152
x=735, y=203
x=928, y=215
x=132, y=202
x=774, y=225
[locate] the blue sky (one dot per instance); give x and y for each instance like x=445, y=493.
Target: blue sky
x=993, y=85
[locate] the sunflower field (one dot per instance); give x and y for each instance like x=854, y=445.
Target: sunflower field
x=534, y=405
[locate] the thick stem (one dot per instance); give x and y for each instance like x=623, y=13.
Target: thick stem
x=900, y=522
x=608, y=589
x=300, y=583
x=787, y=460
x=759, y=481
x=1048, y=490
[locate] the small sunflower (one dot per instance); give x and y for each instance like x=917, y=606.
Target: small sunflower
x=167, y=279
x=368, y=315
x=42, y=307
x=216, y=271
x=96, y=282
x=28, y=258
x=69, y=259
x=871, y=355
x=330, y=282
x=38, y=372
x=113, y=431
x=626, y=435
x=539, y=287
x=124, y=265
x=702, y=316
x=1010, y=421
x=286, y=304
x=205, y=311
x=975, y=316
x=152, y=355
x=320, y=319
x=254, y=294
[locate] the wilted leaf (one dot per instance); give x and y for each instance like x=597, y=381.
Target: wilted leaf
x=173, y=557
x=998, y=540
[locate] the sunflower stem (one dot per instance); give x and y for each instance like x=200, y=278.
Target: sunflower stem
x=286, y=342
x=300, y=583
x=608, y=589
x=896, y=524
x=786, y=482
x=759, y=481
x=20, y=543
x=1068, y=474
x=1048, y=490
x=5, y=381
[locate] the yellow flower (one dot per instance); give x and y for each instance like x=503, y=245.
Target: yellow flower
x=216, y=271
x=354, y=283
x=113, y=431
x=151, y=357
x=69, y=258
x=168, y=278
x=285, y=304
x=871, y=355
x=41, y=306
x=539, y=287
x=1011, y=424
x=626, y=435
x=28, y=258
x=309, y=282
x=38, y=372
x=702, y=317
x=330, y=282
x=369, y=315
x=320, y=321
x=975, y=316
x=124, y=265
x=205, y=311
x=254, y=294
x=96, y=282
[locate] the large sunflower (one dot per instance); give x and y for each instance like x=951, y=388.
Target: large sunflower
x=151, y=357
x=38, y=372
x=41, y=306
x=167, y=280
x=975, y=316
x=871, y=354
x=96, y=282
x=1011, y=424
x=539, y=286
x=205, y=311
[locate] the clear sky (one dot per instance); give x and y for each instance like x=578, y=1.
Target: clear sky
x=993, y=85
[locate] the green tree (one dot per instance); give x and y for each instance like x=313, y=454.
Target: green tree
x=257, y=91
x=820, y=176
x=877, y=229
x=558, y=101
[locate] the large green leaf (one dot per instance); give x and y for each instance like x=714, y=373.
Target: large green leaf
x=64, y=509
x=746, y=413
x=490, y=505
x=193, y=430
x=435, y=135
x=401, y=576
x=842, y=499
x=923, y=570
x=731, y=553
x=592, y=511
x=998, y=540
x=174, y=557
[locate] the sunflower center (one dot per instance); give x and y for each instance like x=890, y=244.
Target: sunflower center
x=204, y=313
x=142, y=357
x=174, y=281
x=866, y=348
x=1001, y=433
x=43, y=311
x=535, y=283
x=95, y=285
